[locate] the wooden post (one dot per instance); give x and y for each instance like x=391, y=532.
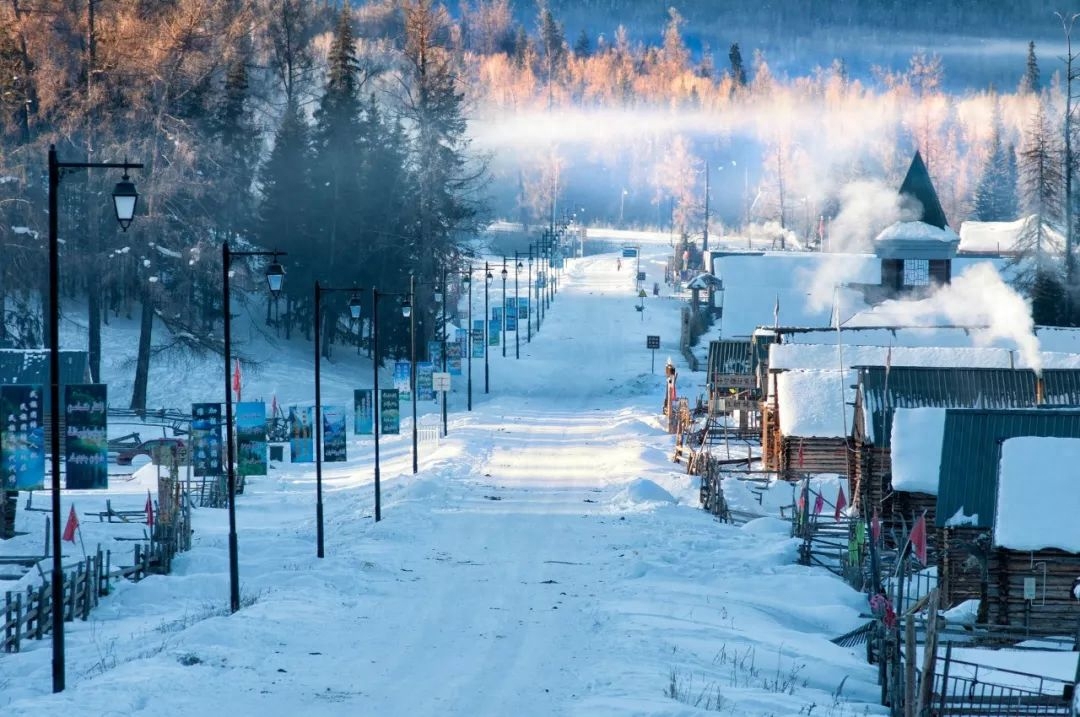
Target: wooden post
x=909, y=664
x=926, y=685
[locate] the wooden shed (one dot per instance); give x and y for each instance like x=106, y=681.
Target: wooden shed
x=971, y=564
x=806, y=423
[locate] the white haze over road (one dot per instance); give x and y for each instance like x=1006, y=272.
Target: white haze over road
x=548, y=559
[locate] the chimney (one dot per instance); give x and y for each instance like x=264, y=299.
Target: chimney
x=1040, y=391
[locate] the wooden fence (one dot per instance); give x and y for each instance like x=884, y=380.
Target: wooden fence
x=27, y=614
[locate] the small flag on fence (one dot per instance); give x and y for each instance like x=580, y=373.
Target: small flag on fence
x=819, y=503
x=841, y=503
x=918, y=538
x=71, y=526
x=149, y=510
x=875, y=526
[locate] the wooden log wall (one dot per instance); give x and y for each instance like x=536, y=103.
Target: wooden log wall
x=868, y=481
x=770, y=437
x=962, y=558
x=1055, y=610
x=819, y=455
x=900, y=510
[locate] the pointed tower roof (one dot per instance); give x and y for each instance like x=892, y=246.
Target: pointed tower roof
x=918, y=186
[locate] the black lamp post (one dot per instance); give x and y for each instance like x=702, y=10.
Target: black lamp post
x=274, y=276
x=467, y=281
x=406, y=311
x=487, y=325
x=125, y=199
x=505, y=316
x=517, y=307
x=354, y=315
x=528, y=295
x=445, y=301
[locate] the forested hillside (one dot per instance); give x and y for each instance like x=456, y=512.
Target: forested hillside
x=371, y=141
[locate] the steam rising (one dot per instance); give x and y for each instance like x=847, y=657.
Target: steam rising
x=866, y=208
x=978, y=298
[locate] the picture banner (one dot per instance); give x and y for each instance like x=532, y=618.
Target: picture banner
x=333, y=434
x=511, y=314
x=523, y=308
x=402, y=379
x=251, y=438
x=424, y=389
x=453, y=358
x=301, y=441
x=494, y=330
x=389, y=411
x=478, y=339
x=364, y=418
x=22, y=437
x=434, y=350
x=86, y=445
x=206, y=445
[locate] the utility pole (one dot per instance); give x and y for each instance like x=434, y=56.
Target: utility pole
x=705, y=239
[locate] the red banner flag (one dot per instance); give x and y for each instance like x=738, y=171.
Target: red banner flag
x=875, y=526
x=918, y=538
x=72, y=526
x=841, y=503
x=149, y=510
x=236, y=380
x=273, y=407
x=819, y=503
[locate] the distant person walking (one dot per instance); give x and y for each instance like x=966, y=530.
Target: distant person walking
x=669, y=394
x=618, y=263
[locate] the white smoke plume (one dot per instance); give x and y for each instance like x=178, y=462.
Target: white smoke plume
x=866, y=208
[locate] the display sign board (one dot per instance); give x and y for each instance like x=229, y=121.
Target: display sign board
x=333, y=434
x=734, y=380
x=652, y=342
x=251, y=444
x=364, y=406
x=86, y=446
x=629, y=252
x=389, y=411
x=440, y=381
x=206, y=442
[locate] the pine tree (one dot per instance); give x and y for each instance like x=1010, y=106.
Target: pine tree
x=1041, y=190
x=447, y=179
x=995, y=195
x=583, y=46
x=1048, y=297
x=1030, y=82
x=738, y=71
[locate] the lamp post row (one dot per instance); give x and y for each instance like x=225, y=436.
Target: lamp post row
x=125, y=199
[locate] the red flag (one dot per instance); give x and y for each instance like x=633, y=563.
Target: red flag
x=875, y=526
x=149, y=510
x=819, y=503
x=236, y=380
x=72, y=525
x=800, y=456
x=273, y=406
x=841, y=503
x=918, y=538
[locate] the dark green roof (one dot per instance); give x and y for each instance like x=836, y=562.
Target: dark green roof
x=917, y=186
x=730, y=356
x=31, y=367
x=971, y=450
x=918, y=387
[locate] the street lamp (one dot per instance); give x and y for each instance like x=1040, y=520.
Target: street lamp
x=528, y=295
x=517, y=307
x=406, y=311
x=466, y=279
x=505, y=317
x=274, y=276
x=125, y=199
x=354, y=314
x=445, y=297
x=487, y=324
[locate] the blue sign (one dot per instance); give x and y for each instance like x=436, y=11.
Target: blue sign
x=301, y=437
x=629, y=252
x=364, y=421
x=23, y=437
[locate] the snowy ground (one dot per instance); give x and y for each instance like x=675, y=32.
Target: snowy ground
x=548, y=559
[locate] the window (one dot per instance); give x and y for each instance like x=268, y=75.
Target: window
x=916, y=272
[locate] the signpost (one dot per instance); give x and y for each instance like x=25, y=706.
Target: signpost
x=641, y=303
x=653, y=343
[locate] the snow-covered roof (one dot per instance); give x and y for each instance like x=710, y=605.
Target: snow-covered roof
x=917, y=435
x=785, y=357
x=1038, y=498
x=815, y=404
x=804, y=284
x=1005, y=237
x=916, y=231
